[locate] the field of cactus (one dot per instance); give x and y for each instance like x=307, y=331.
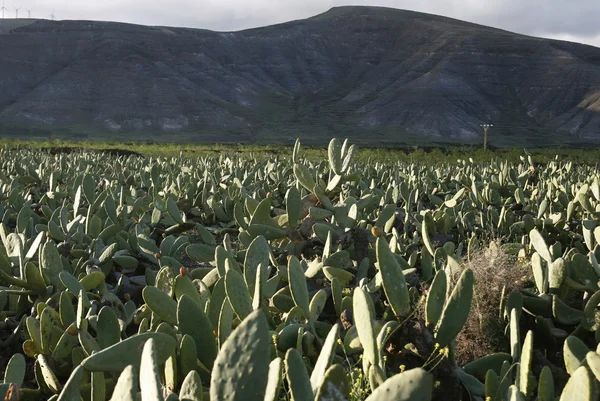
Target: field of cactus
x=242, y=278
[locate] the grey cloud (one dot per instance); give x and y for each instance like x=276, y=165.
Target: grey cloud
x=565, y=19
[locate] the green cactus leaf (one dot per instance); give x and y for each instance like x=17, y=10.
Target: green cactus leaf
x=298, y=286
x=525, y=383
x=574, y=353
x=70, y=282
x=297, y=376
x=240, y=372
x=319, y=214
x=173, y=211
x=88, y=342
x=192, y=320
x=539, y=244
x=492, y=382
x=269, y=232
x=539, y=272
x=376, y=376
x=15, y=370
x=66, y=343
x=237, y=293
x=436, y=298
x=147, y=245
x=336, y=385
x=55, y=231
x=411, y=385
x=325, y=358
x=335, y=156
x=161, y=304
x=239, y=215
x=218, y=295
x=71, y=391
x=107, y=328
x=98, y=383
x=583, y=272
x=128, y=352
x=425, y=225
x=489, y=362
x=165, y=281
x=394, y=283
x=191, y=388
x=92, y=280
x=222, y=256
x=261, y=214
x=51, y=263
x=126, y=387
x=580, y=387
x=185, y=286
x=127, y=263
x=188, y=355
x=593, y=362
x=225, y=322
x=288, y=336
x=515, y=336
x=150, y=386
x=275, y=380
x=456, y=310
x=472, y=384
x=46, y=325
x=514, y=394
x=47, y=374
x=386, y=214
x=344, y=276
x=304, y=177
x=337, y=295
x=258, y=254
x=200, y=252
x=564, y=314
x=34, y=278
x=546, y=385
x=591, y=317
x=317, y=304
x=33, y=328
x=293, y=206
x=514, y=301
x=364, y=314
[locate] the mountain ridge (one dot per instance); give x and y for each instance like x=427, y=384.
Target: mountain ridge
x=377, y=75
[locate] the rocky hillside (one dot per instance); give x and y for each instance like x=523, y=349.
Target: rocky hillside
x=376, y=75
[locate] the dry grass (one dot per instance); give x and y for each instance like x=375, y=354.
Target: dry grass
x=483, y=332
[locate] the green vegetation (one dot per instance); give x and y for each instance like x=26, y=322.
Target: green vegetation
x=434, y=154
x=329, y=275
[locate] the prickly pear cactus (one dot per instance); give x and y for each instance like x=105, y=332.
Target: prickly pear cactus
x=316, y=274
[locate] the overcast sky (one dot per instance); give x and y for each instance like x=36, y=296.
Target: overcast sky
x=575, y=20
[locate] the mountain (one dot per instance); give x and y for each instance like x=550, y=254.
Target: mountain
x=378, y=76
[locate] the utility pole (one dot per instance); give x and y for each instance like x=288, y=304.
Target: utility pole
x=485, y=127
